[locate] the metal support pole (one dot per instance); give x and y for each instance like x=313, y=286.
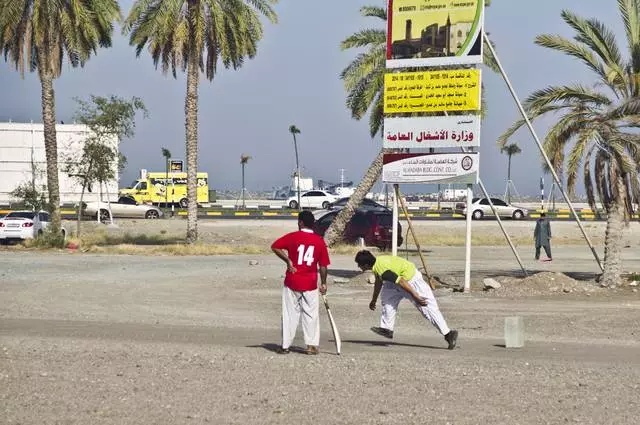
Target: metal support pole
x=394, y=235
x=542, y=151
x=467, y=262
x=506, y=235
x=416, y=241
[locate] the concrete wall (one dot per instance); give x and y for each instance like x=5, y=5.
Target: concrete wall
x=22, y=151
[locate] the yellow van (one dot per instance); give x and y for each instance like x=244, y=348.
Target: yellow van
x=153, y=189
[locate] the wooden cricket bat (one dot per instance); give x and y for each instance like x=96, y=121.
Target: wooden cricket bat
x=334, y=328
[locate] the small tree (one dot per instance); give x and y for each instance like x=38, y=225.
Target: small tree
x=110, y=120
x=30, y=196
x=510, y=150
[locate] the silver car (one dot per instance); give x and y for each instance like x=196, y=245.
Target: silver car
x=480, y=208
x=125, y=208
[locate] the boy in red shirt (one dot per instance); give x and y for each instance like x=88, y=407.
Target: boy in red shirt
x=305, y=253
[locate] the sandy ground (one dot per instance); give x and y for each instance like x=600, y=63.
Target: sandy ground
x=96, y=339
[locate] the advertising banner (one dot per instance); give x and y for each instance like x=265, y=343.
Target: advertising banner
x=176, y=166
x=432, y=91
x=432, y=132
x=424, y=33
x=435, y=168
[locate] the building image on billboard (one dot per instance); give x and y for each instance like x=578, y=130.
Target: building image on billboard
x=434, y=32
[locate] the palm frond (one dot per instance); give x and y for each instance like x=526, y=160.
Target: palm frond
x=576, y=50
x=374, y=12
x=567, y=95
x=364, y=38
x=630, y=11
x=599, y=39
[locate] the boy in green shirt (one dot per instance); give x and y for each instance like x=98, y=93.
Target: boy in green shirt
x=398, y=278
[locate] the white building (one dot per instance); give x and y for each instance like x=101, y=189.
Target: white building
x=453, y=194
x=22, y=152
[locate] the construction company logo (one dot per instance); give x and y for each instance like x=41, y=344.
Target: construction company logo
x=467, y=163
x=176, y=166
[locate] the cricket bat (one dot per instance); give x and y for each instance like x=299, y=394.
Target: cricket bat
x=334, y=328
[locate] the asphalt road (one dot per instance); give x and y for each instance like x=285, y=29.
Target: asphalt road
x=165, y=340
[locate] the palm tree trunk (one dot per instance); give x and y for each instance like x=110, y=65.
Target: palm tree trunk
x=51, y=148
x=191, y=113
x=295, y=146
x=509, y=181
x=243, y=201
x=335, y=231
x=613, y=242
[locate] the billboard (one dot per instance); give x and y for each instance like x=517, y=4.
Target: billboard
x=433, y=168
x=425, y=33
x=432, y=91
x=432, y=132
x=176, y=166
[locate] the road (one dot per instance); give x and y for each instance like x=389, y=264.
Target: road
x=165, y=340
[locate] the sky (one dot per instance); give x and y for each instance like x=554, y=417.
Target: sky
x=295, y=80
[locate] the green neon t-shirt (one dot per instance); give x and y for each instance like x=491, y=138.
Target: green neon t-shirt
x=397, y=265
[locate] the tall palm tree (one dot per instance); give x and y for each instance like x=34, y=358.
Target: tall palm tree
x=244, y=159
x=167, y=155
x=597, y=122
x=295, y=130
x=37, y=35
x=364, y=82
x=193, y=35
x=510, y=150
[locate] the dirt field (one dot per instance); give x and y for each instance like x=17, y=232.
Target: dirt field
x=102, y=339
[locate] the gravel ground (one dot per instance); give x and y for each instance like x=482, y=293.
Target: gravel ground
x=97, y=339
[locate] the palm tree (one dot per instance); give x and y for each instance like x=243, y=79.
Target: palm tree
x=167, y=155
x=364, y=82
x=510, y=150
x=595, y=122
x=295, y=130
x=194, y=35
x=244, y=159
x=37, y=35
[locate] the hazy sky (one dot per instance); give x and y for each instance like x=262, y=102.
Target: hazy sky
x=295, y=80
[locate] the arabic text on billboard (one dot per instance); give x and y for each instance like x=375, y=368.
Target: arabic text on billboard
x=437, y=168
x=432, y=91
x=432, y=132
x=434, y=32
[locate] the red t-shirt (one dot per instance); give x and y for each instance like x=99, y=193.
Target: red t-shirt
x=306, y=251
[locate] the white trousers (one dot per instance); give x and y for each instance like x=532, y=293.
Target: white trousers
x=296, y=306
x=392, y=294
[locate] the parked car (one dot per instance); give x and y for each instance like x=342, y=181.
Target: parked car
x=312, y=199
x=375, y=227
x=366, y=205
x=125, y=208
x=21, y=225
x=480, y=208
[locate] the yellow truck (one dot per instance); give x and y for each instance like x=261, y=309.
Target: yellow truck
x=158, y=188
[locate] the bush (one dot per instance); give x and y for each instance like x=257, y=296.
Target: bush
x=47, y=239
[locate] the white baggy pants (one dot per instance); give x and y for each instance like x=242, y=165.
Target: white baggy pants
x=294, y=305
x=392, y=294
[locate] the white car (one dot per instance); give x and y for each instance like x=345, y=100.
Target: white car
x=21, y=225
x=125, y=207
x=312, y=199
x=480, y=208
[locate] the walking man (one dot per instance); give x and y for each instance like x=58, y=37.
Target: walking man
x=542, y=235
x=398, y=278
x=304, y=253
